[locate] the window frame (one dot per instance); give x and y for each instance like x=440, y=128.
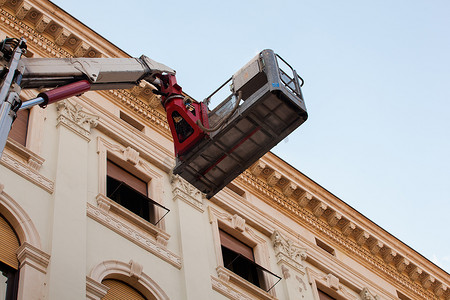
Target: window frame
x=12, y=285
x=126, y=156
x=237, y=227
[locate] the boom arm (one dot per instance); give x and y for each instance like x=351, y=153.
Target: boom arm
x=68, y=77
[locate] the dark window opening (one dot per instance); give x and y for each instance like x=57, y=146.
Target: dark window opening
x=236, y=190
x=183, y=129
x=402, y=296
x=131, y=192
x=131, y=121
x=241, y=266
x=324, y=296
x=9, y=280
x=19, y=127
x=325, y=247
x=238, y=258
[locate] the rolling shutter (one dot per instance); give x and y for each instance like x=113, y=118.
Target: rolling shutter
x=20, y=127
x=120, y=174
x=119, y=290
x=235, y=245
x=9, y=243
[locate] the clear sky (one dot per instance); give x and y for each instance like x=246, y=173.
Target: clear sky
x=376, y=87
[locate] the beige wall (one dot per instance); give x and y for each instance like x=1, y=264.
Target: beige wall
x=53, y=192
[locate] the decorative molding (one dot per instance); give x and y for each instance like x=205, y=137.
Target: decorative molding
x=288, y=252
x=139, y=237
x=131, y=155
x=238, y=223
x=74, y=118
x=367, y=295
x=295, y=209
x=289, y=189
x=230, y=281
x=34, y=161
x=304, y=199
x=330, y=281
x=124, y=271
x=273, y=178
x=334, y=218
x=257, y=168
x=27, y=172
x=135, y=270
x=183, y=190
x=94, y=289
x=225, y=289
x=27, y=254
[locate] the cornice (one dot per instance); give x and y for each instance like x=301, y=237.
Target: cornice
x=360, y=243
x=50, y=32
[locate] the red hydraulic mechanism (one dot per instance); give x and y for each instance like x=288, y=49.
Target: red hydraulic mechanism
x=183, y=115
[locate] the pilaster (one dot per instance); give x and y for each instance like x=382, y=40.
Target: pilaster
x=67, y=274
x=193, y=241
x=290, y=257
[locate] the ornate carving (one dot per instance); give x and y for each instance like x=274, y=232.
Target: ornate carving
x=28, y=173
x=42, y=23
x=103, y=203
x=227, y=291
x=348, y=228
x=402, y=264
x=61, y=36
x=140, y=238
x=131, y=155
x=367, y=295
x=334, y=218
x=27, y=254
x=257, y=168
x=73, y=117
x=289, y=189
x=285, y=272
x=273, y=178
x=82, y=49
x=286, y=250
x=183, y=190
x=319, y=209
x=238, y=223
x=271, y=196
x=388, y=254
x=375, y=246
x=362, y=237
x=415, y=273
x=135, y=269
x=302, y=286
x=332, y=281
x=427, y=281
x=23, y=10
x=304, y=199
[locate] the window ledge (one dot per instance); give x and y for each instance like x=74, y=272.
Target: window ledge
x=33, y=160
x=110, y=206
x=230, y=279
x=137, y=235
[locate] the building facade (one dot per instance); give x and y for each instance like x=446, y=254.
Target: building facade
x=89, y=207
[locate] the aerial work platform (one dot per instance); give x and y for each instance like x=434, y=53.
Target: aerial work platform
x=264, y=106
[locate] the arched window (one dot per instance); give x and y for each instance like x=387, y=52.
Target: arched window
x=119, y=290
x=9, y=264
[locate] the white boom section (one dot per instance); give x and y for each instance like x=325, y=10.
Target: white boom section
x=103, y=73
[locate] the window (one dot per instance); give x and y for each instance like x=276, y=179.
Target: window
x=131, y=192
x=325, y=247
x=9, y=243
x=119, y=290
x=324, y=296
x=19, y=127
x=238, y=257
x=131, y=121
